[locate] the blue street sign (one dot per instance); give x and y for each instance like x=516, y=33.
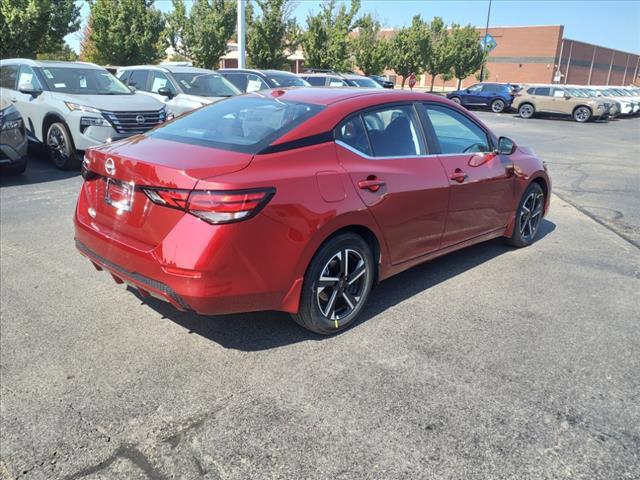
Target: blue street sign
x=488, y=42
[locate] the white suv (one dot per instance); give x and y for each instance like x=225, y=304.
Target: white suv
x=181, y=88
x=71, y=106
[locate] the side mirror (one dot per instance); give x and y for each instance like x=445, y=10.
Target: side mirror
x=29, y=89
x=165, y=92
x=506, y=146
x=567, y=96
x=467, y=91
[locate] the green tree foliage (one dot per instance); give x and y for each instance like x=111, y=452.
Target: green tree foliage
x=441, y=58
x=29, y=27
x=370, y=51
x=272, y=34
x=64, y=53
x=201, y=35
x=482, y=75
x=468, y=53
x=410, y=49
x=326, y=41
x=125, y=32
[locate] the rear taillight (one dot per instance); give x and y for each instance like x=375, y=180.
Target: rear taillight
x=214, y=206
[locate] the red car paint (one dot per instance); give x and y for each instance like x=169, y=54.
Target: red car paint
x=415, y=208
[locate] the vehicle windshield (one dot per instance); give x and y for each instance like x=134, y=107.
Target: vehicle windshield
x=83, y=81
x=365, y=82
x=242, y=124
x=282, y=80
x=206, y=84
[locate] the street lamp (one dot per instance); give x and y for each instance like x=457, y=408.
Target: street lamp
x=241, y=33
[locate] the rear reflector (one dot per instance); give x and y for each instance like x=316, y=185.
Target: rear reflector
x=214, y=206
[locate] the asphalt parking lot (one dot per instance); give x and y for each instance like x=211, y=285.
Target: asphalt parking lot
x=488, y=363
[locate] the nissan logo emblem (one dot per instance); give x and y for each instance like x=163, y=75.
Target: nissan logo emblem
x=140, y=118
x=110, y=166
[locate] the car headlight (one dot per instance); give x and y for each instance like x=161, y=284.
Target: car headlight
x=92, y=122
x=81, y=108
x=13, y=124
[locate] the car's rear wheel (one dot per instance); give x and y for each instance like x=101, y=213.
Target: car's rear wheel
x=456, y=100
x=62, y=152
x=497, y=106
x=528, y=216
x=526, y=110
x=336, y=285
x=582, y=114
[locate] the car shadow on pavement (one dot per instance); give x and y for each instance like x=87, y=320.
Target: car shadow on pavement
x=266, y=330
x=39, y=170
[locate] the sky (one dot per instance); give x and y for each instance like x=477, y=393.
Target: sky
x=609, y=23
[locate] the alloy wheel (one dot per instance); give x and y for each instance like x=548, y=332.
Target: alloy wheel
x=526, y=111
x=531, y=215
x=497, y=106
x=582, y=114
x=456, y=100
x=341, y=284
x=58, y=148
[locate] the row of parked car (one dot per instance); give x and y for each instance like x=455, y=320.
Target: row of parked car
x=582, y=103
x=71, y=106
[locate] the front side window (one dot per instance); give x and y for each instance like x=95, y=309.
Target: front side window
x=160, y=80
x=206, y=85
x=337, y=82
x=83, y=81
x=352, y=132
x=239, y=80
x=394, y=132
x=138, y=79
x=475, y=89
x=558, y=92
x=9, y=76
x=455, y=132
x=255, y=83
x=28, y=78
x=242, y=124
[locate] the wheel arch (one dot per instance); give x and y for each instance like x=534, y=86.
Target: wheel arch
x=581, y=105
x=49, y=119
x=368, y=235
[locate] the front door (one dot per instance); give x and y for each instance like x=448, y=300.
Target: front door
x=384, y=151
x=481, y=183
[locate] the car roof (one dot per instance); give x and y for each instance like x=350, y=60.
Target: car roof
x=256, y=71
x=352, y=76
x=169, y=68
x=48, y=63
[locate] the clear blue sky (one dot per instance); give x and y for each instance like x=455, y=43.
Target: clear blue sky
x=614, y=24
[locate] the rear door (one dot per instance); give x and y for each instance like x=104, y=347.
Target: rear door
x=384, y=152
x=481, y=183
x=544, y=100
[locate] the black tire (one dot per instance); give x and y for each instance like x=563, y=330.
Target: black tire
x=321, y=310
x=528, y=216
x=15, y=169
x=582, y=114
x=456, y=100
x=60, y=147
x=526, y=110
x=498, y=105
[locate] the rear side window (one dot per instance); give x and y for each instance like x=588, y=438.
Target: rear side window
x=8, y=76
x=394, y=132
x=455, y=132
x=543, y=91
x=491, y=88
x=241, y=124
x=237, y=79
x=316, y=81
x=352, y=132
x=138, y=79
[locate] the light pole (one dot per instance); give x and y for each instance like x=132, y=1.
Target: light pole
x=241, y=33
x=484, y=41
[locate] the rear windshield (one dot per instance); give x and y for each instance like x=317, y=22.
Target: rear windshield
x=282, y=80
x=83, y=81
x=206, y=85
x=242, y=124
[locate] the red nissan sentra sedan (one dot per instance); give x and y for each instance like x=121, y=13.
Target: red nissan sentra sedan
x=301, y=200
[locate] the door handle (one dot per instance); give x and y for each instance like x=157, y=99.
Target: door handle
x=372, y=183
x=458, y=175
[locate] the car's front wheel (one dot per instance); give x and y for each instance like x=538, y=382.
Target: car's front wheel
x=336, y=285
x=497, y=106
x=62, y=152
x=528, y=216
x=456, y=100
x=582, y=114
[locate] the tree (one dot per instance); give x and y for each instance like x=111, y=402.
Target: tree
x=370, y=51
x=30, y=27
x=483, y=74
x=125, y=32
x=64, y=53
x=272, y=34
x=203, y=34
x=326, y=41
x=440, y=60
x=410, y=49
x=468, y=53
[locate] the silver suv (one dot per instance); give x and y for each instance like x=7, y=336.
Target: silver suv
x=71, y=106
x=181, y=88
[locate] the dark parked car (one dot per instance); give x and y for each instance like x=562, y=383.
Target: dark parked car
x=253, y=80
x=13, y=140
x=383, y=82
x=497, y=96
